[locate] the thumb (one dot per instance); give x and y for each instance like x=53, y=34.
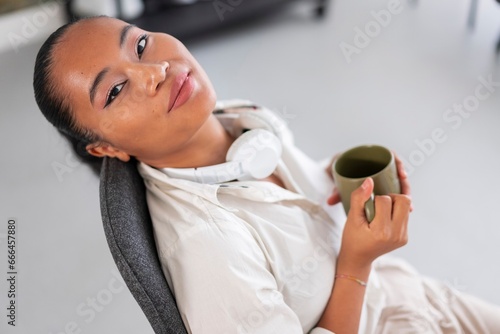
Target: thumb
x=360, y=196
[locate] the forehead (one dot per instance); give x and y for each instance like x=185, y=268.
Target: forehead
x=84, y=50
x=85, y=41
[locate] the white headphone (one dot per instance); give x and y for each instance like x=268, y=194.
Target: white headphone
x=253, y=155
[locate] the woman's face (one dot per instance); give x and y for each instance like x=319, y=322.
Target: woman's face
x=143, y=93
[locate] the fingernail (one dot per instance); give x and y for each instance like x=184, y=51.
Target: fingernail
x=364, y=185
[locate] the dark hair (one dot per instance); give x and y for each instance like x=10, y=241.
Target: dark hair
x=52, y=102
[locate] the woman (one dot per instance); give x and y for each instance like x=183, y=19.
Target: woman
x=258, y=256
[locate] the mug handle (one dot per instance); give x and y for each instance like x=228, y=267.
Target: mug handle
x=370, y=208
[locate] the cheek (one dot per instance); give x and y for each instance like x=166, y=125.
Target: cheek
x=121, y=123
x=106, y=127
x=136, y=97
x=138, y=104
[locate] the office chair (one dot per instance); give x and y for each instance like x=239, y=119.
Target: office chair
x=129, y=233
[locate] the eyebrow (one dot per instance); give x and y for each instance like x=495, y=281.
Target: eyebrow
x=123, y=34
x=95, y=84
x=100, y=76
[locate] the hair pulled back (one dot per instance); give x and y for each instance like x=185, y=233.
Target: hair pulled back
x=51, y=99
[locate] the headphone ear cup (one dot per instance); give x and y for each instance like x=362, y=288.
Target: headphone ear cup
x=258, y=151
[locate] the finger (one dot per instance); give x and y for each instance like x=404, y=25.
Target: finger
x=404, y=231
x=383, y=212
x=406, y=190
x=402, y=174
x=400, y=167
x=359, y=198
x=403, y=178
x=334, y=198
x=401, y=211
x=405, y=186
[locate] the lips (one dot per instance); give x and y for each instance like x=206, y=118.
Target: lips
x=181, y=90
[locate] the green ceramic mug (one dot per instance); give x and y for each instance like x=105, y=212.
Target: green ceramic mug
x=352, y=167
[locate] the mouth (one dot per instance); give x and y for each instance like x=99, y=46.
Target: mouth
x=181, y=90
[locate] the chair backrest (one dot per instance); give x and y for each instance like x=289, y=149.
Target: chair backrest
x=128, y=230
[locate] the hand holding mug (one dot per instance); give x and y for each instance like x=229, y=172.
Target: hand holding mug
x=362, y=242
x=352, y=167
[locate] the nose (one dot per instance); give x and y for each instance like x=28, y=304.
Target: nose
x=149, y=76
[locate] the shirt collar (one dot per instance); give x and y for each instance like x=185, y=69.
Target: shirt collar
x=251, y=190
x=206, y=191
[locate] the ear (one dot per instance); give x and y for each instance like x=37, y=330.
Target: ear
x=100, y=149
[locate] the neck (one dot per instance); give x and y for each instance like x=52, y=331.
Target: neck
x=208, y=147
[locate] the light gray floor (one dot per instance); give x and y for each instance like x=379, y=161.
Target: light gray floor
x=396, y=91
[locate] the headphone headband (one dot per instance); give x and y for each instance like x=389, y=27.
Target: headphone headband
x=220, y=173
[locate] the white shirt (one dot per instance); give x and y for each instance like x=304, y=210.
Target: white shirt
x=252, y=257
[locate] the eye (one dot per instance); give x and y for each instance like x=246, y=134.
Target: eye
x=141, y=44
x=113, y=93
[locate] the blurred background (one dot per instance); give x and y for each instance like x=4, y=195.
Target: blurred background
x=421, y=77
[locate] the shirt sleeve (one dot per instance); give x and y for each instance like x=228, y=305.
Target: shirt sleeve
x=223, y=284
